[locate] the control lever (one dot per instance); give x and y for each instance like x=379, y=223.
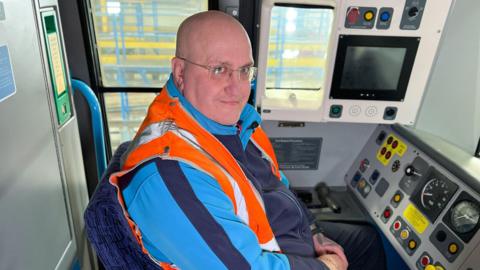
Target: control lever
x=323, y=193
x=410, y=170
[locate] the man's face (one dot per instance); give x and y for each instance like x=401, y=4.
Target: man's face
x=220, y=100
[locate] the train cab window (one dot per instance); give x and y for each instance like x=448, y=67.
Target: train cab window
x=125, y=111
x=297, y=51
x=135, y=41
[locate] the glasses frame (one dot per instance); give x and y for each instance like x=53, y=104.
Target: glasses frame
x=251, y=76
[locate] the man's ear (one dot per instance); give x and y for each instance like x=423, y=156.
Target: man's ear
x=178, y=66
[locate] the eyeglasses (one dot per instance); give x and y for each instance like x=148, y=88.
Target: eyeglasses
x=223, y=72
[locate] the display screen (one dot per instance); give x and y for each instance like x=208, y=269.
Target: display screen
x=372, y=68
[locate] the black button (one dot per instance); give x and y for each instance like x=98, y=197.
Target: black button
x=413, y=11
x=441, y=236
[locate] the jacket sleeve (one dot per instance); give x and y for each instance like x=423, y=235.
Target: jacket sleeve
x=186, y=219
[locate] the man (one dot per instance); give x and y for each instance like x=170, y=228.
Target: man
x=200, y=181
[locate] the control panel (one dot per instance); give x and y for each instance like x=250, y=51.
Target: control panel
x=427, y=206
x=347, y=60
x=381, y=48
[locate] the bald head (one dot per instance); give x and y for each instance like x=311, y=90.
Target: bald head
x=210, y=44
x=202, y=29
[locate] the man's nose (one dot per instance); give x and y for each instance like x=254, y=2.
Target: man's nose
x=234, y=81
x=234, y=75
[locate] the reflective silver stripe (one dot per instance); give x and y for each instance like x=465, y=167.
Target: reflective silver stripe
x=154, y=131
x=150, y=133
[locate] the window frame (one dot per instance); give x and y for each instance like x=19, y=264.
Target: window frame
x=94, y=70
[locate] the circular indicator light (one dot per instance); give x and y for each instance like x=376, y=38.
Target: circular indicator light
x=412, y=244
x=368, y=16
x=385, y=16
x=395, y=144
x=453, y=248
x=388, y=155
x=364, y=164
x=397, y=225
x=362, y=183
x=389, y=140
x=383, y=151
x=397, y=198
x=425, y=260
x=404, y=234
x=353, y=15
x=387, y=213
x=336, y=110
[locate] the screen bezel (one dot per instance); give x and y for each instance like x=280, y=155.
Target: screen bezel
x=398, y=94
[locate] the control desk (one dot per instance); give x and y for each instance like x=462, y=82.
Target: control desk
x=423, y=194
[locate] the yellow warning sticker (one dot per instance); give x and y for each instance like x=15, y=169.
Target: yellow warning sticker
x=418, y=221
x=391, y=147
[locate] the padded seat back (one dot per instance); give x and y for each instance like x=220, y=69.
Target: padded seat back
x=108, y=230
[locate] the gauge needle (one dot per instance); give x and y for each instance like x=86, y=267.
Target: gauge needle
x=466, y=217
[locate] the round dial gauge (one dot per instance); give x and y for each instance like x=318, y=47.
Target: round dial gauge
x=435, y=194
x=465, y=216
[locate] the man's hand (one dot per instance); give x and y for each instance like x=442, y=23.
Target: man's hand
x=333, y=262
x=330, y=252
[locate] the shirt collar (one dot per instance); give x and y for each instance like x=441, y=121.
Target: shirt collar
x=247, y=117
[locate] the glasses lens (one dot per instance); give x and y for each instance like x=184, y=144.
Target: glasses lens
x=218, y=72
x=223, y=73
x=252, y=74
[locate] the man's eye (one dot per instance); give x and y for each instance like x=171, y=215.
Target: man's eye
x=219, y=70
x=245, y=70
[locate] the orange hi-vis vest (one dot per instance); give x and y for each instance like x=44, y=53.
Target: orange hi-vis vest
x=170, y=132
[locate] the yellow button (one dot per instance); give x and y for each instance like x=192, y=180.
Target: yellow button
x=404, y=234
x=362, y=183
x=453, y=248
x=412, y=244
x=397, y=198
x=430, y=267
x=368, y=16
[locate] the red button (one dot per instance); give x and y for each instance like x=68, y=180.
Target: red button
x=394, y=144
x=425, y=260
x=384, y=149
x=396, y=225
x=387, y=213
x=388, y=155
x=352, y=16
